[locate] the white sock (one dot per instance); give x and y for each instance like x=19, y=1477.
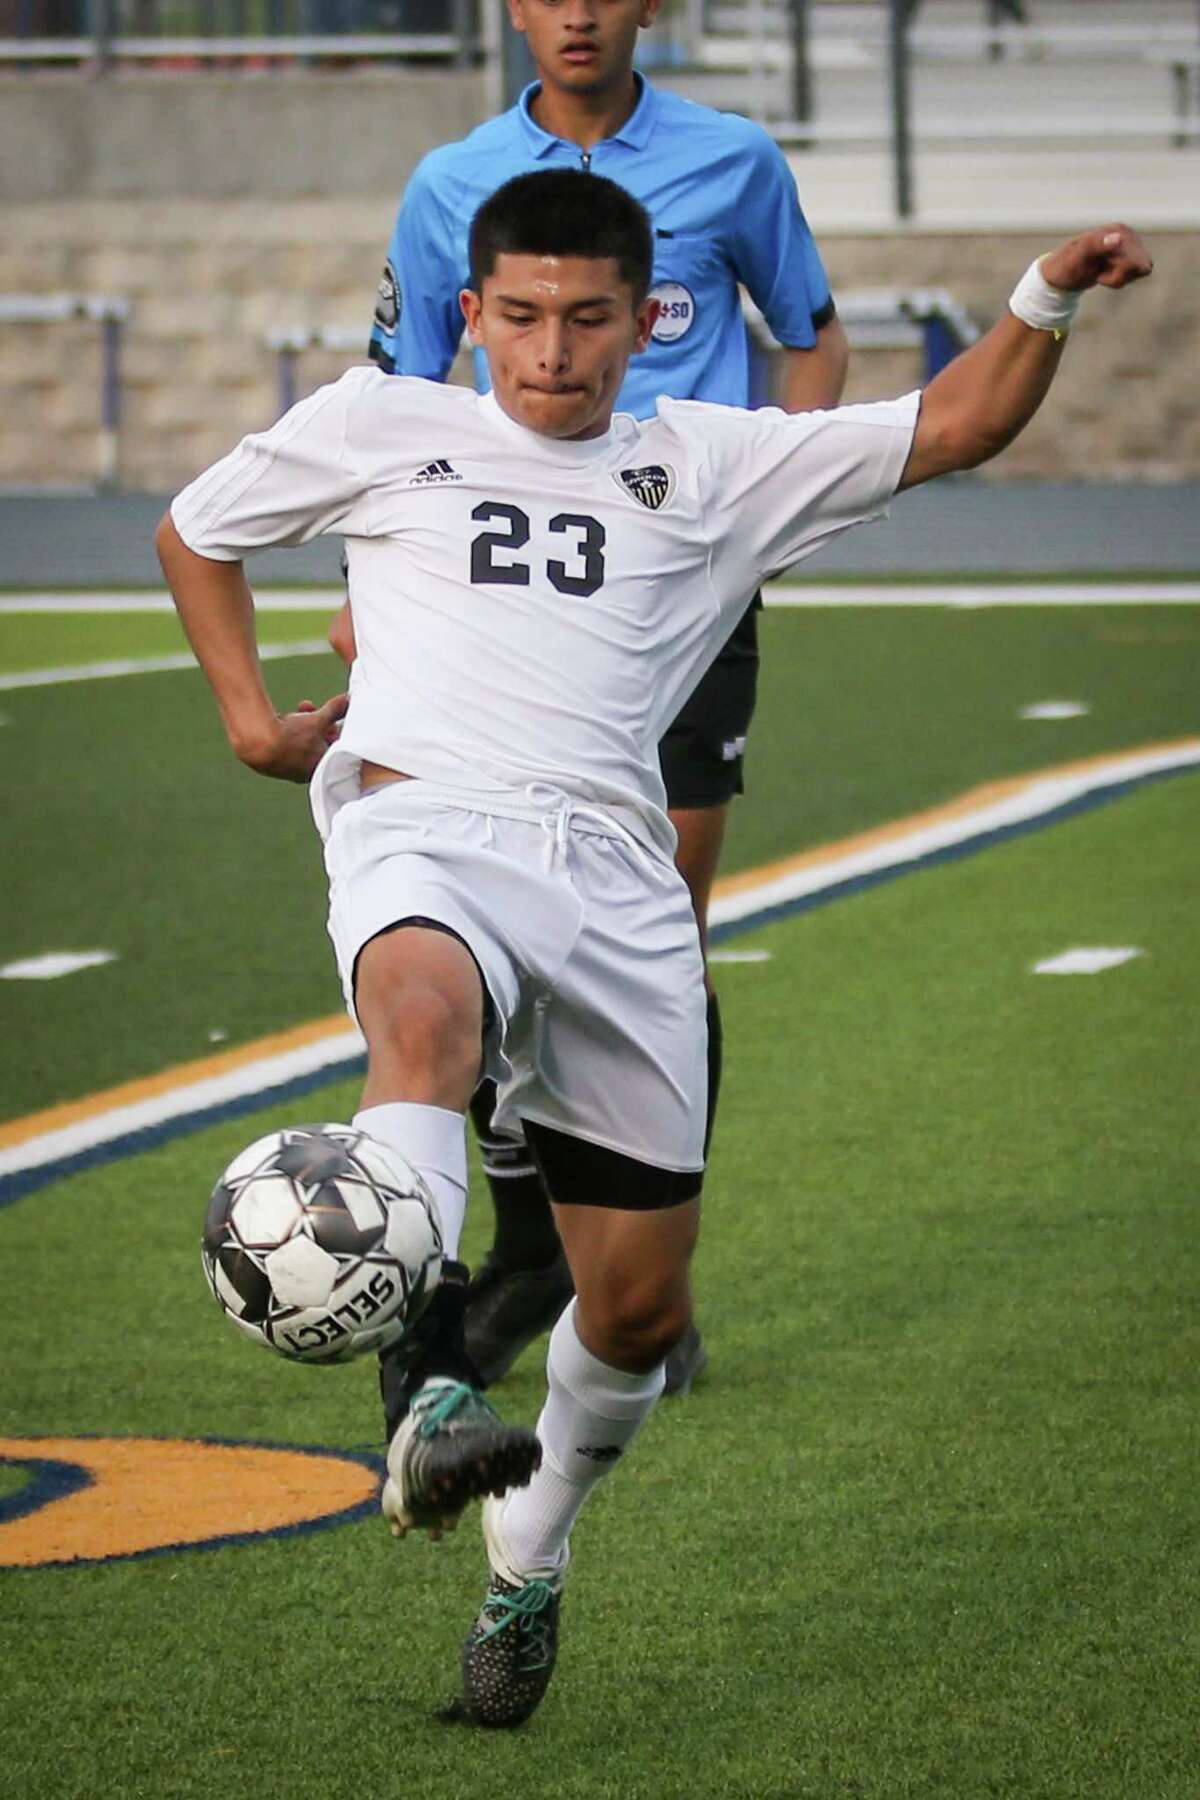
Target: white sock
x=434, y=1141
x=591, y=1416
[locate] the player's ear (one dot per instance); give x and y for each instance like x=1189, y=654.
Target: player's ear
x=646, y=18
x=472, y=306
x=516, y=13
x=647, y=313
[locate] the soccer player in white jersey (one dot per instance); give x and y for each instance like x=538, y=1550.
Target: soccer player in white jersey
x=725, y=211
x=535, y=583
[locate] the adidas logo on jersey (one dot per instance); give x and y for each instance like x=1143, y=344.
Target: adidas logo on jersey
x=434, y=473
x=651, y=487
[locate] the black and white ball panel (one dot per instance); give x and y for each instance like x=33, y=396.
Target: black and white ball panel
x=321, y=1243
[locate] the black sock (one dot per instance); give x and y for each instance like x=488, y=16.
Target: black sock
x=525, y=1236
x=715, y=1045
x=434, y=1346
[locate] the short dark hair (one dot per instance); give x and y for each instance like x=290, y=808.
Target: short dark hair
x=564, y=212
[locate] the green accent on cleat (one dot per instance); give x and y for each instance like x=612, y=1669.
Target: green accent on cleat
x=451, y=1448
x=510, y=1650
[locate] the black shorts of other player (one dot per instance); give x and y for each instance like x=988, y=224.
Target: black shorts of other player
x=702, y=752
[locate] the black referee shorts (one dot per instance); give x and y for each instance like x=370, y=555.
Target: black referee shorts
x=703, y=752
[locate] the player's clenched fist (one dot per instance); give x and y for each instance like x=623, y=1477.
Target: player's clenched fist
x=1109, y=256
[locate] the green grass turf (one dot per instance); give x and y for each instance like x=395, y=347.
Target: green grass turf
x=140, y=834
x=866, y=715
x=928, y=1527
x=813, y=575
x=12, y=1479
x=57, y=640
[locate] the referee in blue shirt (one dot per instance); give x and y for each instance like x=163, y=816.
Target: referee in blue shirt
x=725, y=212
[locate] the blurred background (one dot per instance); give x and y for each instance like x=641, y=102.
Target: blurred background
x=197, y=196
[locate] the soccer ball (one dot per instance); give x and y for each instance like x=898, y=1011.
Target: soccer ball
x=321, y=1243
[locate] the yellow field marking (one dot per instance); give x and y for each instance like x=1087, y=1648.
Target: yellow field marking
x=164, y=1493
x=989, y=793
x=18, y=1132
x=149, y=1087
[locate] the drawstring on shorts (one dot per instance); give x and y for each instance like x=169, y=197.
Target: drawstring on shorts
x=565, y=811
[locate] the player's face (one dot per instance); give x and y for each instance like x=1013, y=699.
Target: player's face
x=583, y=46
x=558, y=332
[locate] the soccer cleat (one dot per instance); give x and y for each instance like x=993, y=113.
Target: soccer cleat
x=451, y=1448
x=684, y=1363
x=510, y=1650
x=508, y=1308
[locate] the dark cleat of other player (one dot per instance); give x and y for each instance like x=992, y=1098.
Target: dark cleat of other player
x=508, y=1308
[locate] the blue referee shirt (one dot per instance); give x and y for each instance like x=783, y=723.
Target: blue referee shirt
x=724, y=208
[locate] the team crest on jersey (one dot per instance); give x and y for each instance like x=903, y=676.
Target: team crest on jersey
x=387, y=300
x=651, y=487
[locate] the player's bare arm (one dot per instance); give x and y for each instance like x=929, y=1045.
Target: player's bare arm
x=813, y=379
x=981, y=401
x=216, y=609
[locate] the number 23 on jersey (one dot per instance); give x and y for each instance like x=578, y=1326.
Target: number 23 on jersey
x=495, y=554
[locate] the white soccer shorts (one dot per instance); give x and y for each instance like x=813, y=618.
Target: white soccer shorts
x=586, y=940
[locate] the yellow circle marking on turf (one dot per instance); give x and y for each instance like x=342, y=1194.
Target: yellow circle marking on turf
x=169, y=1493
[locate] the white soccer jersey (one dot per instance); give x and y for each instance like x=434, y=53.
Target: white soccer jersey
x=528, y=610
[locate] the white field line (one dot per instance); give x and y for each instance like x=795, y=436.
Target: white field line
x=145, y=665
x=1054, y=709
x=783, y=593
x=1038, y=796
x=55, y=964
x=192, y=1097
x=984, y=594
x=324, y=600
x=1085, y=961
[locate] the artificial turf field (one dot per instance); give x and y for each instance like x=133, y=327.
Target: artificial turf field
x=928, y=1526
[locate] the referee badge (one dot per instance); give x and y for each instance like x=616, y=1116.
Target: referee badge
x=387, y=301
x=651, y=487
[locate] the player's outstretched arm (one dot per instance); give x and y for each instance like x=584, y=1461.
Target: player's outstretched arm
x=216, y=609
x=981, y=400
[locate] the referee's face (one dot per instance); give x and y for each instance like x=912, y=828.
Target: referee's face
x=558, y=332
x=583, y=46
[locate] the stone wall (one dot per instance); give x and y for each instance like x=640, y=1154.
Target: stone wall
x=223, y=134
x=210, y=275
x=219, y=205
x=207, y=283
x=1124, y=402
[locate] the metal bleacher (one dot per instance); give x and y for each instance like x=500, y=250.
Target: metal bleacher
x=814, y=71
x=977, y=73
x=108, y=313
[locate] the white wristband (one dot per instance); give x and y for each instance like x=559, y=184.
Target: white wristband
x=1036, y=303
